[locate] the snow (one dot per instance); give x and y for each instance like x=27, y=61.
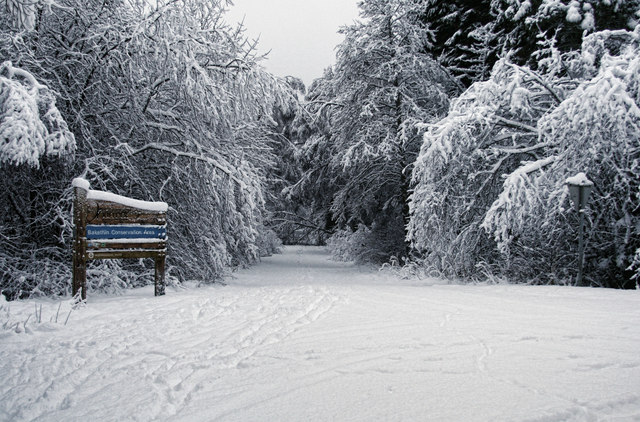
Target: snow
x=579, y=179
x=128, y=240
x=525, y=7
x=573, y=14
x=299, y=337
x=79, y=182
x=129, y=202
x=31, y=126
x=588, y=23
x=123, y=200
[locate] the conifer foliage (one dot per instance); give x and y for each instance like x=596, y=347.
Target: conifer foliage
x=522, y=24
x=469, y=37
x=383, y=87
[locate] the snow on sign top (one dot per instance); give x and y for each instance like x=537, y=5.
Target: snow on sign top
x=79, y=182
x=129, y=202
x=579, y=179
x=123, y=200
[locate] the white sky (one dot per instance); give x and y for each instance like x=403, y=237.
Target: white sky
x=301, y=34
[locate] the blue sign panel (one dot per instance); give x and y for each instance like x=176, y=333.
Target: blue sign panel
x=126, y=232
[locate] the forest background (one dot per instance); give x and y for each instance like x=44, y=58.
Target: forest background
x=439, y=142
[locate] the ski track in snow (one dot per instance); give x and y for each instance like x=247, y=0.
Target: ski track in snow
x=299, y=337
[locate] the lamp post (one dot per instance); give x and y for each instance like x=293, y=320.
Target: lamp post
x=579, y=190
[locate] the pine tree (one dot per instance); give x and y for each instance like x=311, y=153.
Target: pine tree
x=462, y=41
x=385, y=85
x=470, y=36
x=319, y=180
x=521, y=24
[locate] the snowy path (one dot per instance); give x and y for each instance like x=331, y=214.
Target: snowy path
x=300, y=338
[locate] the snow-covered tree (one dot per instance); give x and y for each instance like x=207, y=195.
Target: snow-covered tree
x=594, y=130
x=30, y=124
x=166, y=102
x=463, y=41
x=290, y=216
x=489, y=129
x=577, y=113
x=521, y=23
x=385, y=85
x=469, y=37
x=314, y=189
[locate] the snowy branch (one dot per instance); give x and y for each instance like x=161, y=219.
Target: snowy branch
x=515, y=124
x=200, y=157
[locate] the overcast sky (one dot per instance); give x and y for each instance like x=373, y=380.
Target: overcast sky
x=301, y=34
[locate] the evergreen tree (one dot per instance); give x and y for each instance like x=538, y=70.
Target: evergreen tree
x=521, y=25
x=291, y=215
x=319, y=180
x=462, y=39
x=470, y=36
x=385, y=85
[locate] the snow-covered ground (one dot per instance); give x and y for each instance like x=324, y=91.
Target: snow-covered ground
x=302, y=338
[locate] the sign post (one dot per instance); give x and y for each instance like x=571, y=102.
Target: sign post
x=580, y=189
x=110, y=226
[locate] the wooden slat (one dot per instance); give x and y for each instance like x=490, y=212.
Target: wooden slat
x=106, y=212
x=94, y=245
x=125, y=254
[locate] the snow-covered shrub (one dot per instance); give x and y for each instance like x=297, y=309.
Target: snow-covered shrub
x=413, y=267
x=536, y=129
x=36, y=148
x=268, y=242
x=366, y=245
x=37, y=272
x=347, y=245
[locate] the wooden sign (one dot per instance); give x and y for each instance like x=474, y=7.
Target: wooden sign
x=110, y=226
